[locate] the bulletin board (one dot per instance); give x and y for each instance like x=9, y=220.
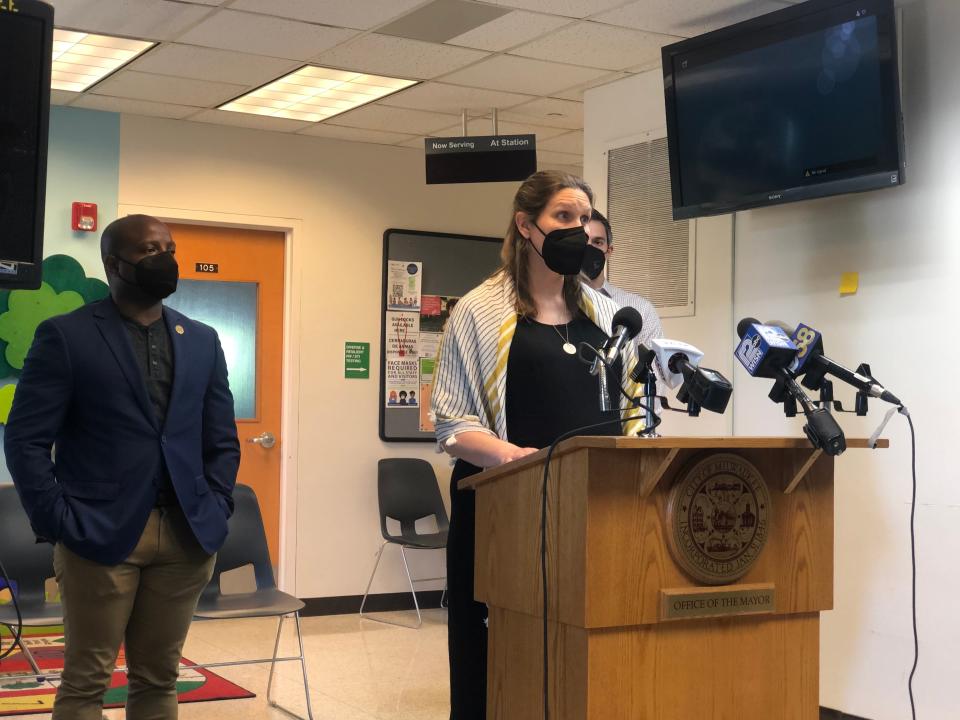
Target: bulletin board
x=424, y=274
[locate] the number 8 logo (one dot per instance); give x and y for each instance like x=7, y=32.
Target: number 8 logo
x=804, y=337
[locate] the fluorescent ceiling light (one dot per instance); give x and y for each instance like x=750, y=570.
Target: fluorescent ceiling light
x=81, y=59
x=314, y=93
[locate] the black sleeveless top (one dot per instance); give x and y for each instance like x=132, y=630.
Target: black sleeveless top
x=550, y=392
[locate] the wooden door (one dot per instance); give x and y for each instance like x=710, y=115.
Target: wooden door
x=233, y=280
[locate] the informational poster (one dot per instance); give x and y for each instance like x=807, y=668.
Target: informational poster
x=426, y=384
x=403, y=335
x=403, y=285
x=434, y=311
x=429, y=344
x=403, y=383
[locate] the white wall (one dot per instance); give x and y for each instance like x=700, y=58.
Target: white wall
x=628, y=112
x=904, y=243
x=341, y=196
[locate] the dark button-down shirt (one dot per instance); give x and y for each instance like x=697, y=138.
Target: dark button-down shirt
x=154, y=354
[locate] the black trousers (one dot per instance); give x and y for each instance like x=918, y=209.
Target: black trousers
x=466, y=629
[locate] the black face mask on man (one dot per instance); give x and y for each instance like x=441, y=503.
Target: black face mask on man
x=567, y=252
x=156, y=275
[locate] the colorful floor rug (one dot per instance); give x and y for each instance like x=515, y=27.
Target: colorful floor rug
x=24, y=696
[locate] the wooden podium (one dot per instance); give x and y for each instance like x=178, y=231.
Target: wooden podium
x=615, y=650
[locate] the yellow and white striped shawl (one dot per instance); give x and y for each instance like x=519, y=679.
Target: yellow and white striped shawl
x=470, y=380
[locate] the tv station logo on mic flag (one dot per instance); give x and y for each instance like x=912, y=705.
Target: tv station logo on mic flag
x=806, y=340
x=757, y=342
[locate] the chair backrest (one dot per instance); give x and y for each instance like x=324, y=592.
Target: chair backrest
x=407, y=491
x=246, y=543
x=28, y=562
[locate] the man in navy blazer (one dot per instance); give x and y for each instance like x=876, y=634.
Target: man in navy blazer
x=123, y=447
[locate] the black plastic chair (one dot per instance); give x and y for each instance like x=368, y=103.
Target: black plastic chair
x=30, y=565
x=407, y=491
x=246, y=544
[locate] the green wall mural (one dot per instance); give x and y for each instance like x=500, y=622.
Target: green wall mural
x=65, y=287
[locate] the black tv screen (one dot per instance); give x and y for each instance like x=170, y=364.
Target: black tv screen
x=797, y=104
x=26, y=36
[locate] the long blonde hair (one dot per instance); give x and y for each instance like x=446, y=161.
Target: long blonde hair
x=533, y=196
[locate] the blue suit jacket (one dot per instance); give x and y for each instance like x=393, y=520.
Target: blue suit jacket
x=83, y=396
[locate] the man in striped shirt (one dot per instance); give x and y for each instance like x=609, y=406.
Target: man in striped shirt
x=600, y=236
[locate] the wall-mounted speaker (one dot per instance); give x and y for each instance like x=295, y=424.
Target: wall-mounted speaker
x=26, y=47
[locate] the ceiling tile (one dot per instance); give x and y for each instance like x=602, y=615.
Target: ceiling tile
x=440, y=20
x=568, y=8
x=439, y=97
x=391, y=119
x=62, y=97
x=166, y=89
x=416, y=142
x=398, y=57
x=522, y=75
x=147, y=19
x=686, y=18
x=339, y=132
x=263, y=35
x=508, y=31
x=360, y=14
x=484, y=126
x=576, y=92
x=202, y=63
x=550, y=112
x=597, y=45
x=133, y=107
x=256, y=122
x=571, y=142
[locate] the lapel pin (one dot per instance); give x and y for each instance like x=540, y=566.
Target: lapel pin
x=179, y=329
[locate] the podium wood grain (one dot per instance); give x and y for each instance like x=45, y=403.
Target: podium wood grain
x=612, y=656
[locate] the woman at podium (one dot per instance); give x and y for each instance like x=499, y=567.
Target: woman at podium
x=509, y=381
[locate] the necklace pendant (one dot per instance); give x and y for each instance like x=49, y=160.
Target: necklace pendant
x=569, y=349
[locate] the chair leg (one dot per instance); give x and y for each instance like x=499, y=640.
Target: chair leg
x=303, y=667
x=273, y=665
x=30, y=659
x=370, y=582
x=413, y=591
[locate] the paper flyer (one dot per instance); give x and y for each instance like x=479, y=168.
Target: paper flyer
x=403, y=335
x=403, y=285
x=426, y=383
x=429, y=344
x=403, y=383
x=434, y=311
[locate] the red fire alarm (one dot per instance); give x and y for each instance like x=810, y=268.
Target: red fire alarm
x=84, y=216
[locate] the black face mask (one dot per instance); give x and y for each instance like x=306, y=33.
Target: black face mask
x=567, y=252
x=593, y=262
x=156, y=275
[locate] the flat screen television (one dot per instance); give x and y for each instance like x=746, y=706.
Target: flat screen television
x=797, y=104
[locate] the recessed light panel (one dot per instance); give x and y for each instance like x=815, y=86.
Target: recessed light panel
x=81, y=59
x=315, y=93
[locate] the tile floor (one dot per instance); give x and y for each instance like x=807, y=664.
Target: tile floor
x=358, y=669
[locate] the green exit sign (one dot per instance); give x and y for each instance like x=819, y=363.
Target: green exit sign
x=356, y=360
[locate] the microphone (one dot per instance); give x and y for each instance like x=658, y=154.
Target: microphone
x=679, y=364
x=764, y=349
x=814, y=365
x=627, y=323
x=672, y=356
x=767, y=351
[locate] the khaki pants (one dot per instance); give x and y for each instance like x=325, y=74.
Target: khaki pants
x=147, y=602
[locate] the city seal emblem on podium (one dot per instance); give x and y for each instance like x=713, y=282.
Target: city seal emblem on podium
x=718, y=518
